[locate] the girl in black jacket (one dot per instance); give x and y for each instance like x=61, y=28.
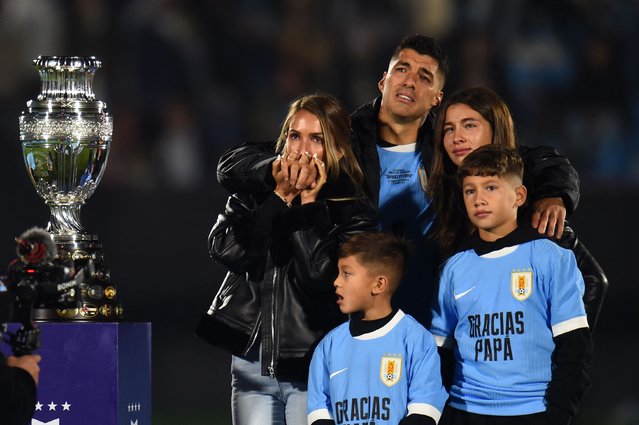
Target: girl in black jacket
x=279, y=246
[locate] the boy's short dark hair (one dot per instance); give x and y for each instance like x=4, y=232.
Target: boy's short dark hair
x=382, y=252
x=425, y=46
x=492, y=160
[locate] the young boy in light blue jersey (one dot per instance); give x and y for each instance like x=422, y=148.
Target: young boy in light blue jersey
x=382, y=366
x=510, y=306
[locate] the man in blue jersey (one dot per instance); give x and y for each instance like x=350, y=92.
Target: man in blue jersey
x=510, y=306
x=382, y=366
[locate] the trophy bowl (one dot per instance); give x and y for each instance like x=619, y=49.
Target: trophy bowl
x=66, y=135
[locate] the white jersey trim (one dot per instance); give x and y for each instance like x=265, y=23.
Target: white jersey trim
x=384, y=329
x=424, y=409
x=318, y=414
x=400, y=148
x=569, y=325
x=500, y=252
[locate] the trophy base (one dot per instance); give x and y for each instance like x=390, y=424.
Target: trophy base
x=78, y=247
x=86, y=313
x=95, y=297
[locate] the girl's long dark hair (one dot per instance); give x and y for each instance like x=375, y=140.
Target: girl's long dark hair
x=451, y=222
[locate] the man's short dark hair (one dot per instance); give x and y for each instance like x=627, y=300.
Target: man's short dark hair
x=425, y=46
x=492, y=160
x=380, y=252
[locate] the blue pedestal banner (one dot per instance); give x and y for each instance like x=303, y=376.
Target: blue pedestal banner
x=94, y=373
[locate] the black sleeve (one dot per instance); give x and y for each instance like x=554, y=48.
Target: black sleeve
x=324, y=422
x=317, y=236
x=547, y=174
x=595, y=280
x=17, y=394
x=238, y=238
x=416, y=419
x=572, y=362
x=447, y=360
x=247, y=168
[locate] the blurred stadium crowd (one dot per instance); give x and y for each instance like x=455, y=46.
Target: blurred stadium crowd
x=187, y=79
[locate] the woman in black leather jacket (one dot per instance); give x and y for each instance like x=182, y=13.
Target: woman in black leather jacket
x=451, y=225
x=279, y=246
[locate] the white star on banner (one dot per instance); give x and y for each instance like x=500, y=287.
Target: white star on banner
x=52, y=406
x=66, y=406
x=39, y=406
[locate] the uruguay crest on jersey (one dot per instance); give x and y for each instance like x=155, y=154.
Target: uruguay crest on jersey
x=521, y=284
x=391, y=369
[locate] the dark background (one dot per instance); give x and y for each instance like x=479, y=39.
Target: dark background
x=185, y=80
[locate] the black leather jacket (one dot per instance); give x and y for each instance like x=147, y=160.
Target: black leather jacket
x=595, y=280
x=282, y=264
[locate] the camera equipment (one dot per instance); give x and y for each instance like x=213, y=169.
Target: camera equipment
x=37, y=279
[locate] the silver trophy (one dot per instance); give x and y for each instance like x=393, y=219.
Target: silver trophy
x=66, y=135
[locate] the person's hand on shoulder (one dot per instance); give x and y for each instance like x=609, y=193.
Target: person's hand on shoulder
x=548, y=217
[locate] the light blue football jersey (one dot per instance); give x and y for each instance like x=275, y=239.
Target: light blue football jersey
x=500, y=312
x=402, y=197
x=379, y=377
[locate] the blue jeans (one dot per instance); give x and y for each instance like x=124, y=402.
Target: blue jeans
x=261, y=400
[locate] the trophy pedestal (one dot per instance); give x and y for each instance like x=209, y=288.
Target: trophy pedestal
x=94, y=373
x=95, y=298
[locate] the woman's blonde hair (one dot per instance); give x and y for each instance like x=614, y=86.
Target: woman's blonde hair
x=335, y=124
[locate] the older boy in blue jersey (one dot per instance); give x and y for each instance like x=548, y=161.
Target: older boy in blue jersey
x=510, y=306
x=382, y=366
